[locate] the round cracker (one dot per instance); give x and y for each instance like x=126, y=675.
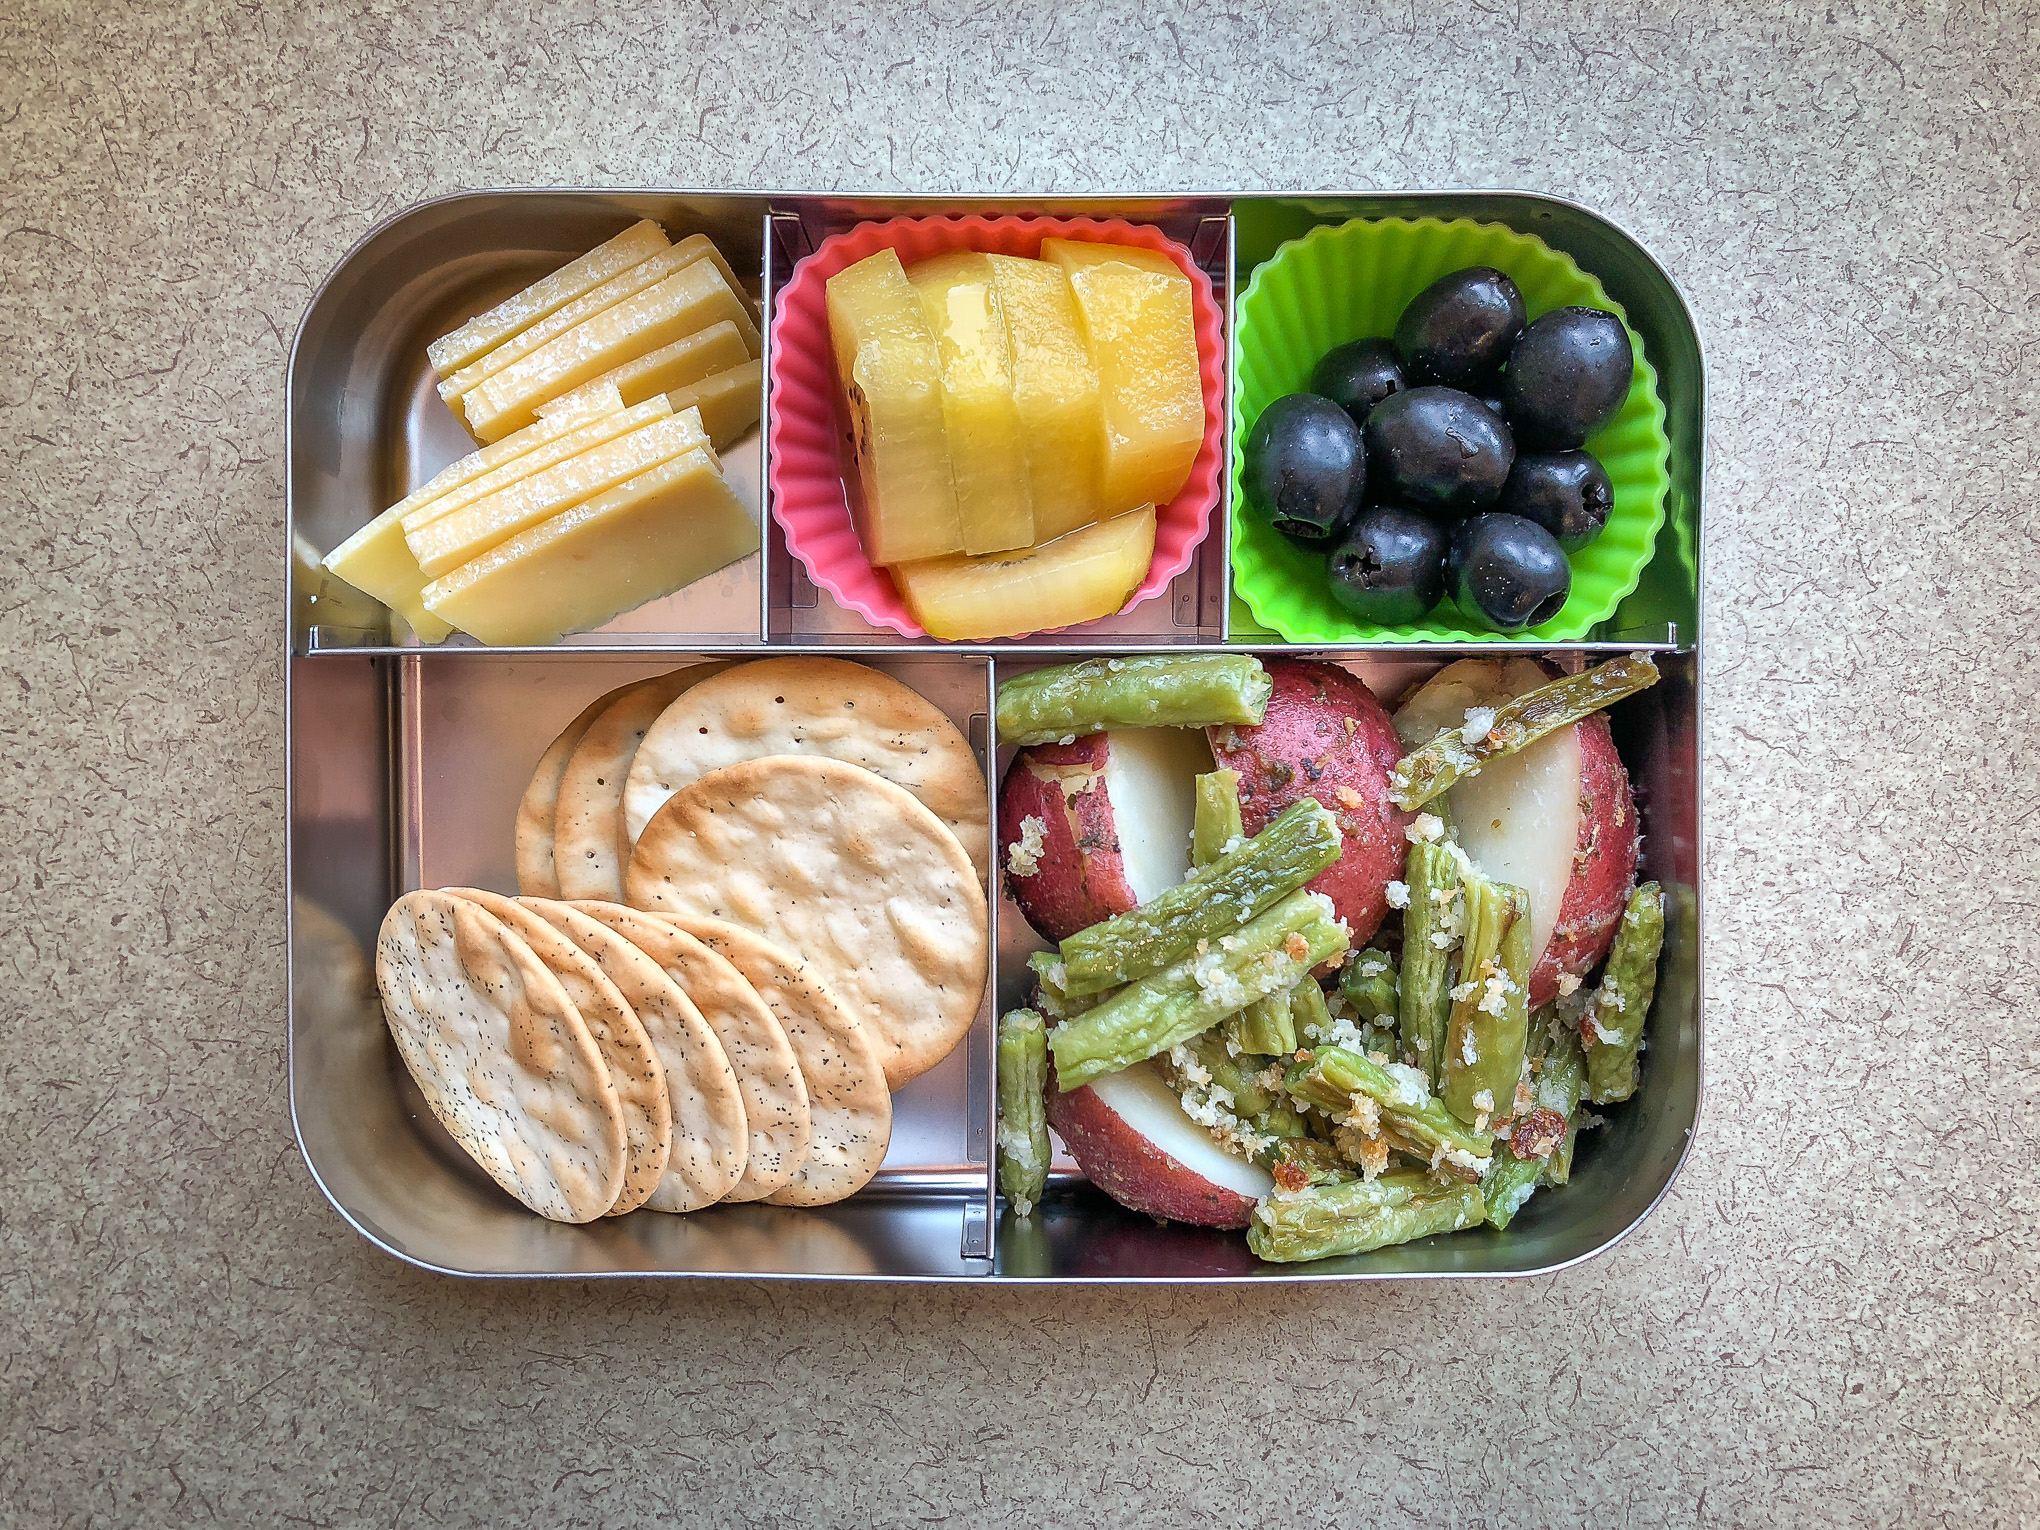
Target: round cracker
x=827, y=860
x=588, y=847
x=501, y=1055
x=828, y=707
x=849, y=1106
x=708, y=1111
x=769, y=1077
x=538, y=810
x=635, y=1071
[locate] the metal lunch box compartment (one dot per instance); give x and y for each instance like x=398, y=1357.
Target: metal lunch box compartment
x=406, y=763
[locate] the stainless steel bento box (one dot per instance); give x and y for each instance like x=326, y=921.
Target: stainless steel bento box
x=406, y=763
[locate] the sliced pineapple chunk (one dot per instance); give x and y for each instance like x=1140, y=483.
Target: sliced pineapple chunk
x=891, y=377
x=641, y=540
x=987, y=459
x=1055, y=389
x=1090, y=573
x=638, y=243
x=1136, y=314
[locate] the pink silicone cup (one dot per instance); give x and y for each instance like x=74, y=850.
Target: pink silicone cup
x=809, y=497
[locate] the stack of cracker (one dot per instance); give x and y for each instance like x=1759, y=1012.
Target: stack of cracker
x=752, y=905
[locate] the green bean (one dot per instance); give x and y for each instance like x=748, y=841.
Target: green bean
x=1484, y=1042
x=1540, y=1141
x=1216, y=823
x=1369, y=983
x=1193, y=690
x=1215, y=900
x=1050, y=992
x=1411, y=1120
x=1435, y=768
x=1023, y=1119
x=1264, y=1026
x=1268, y=955
x=1613, y=1028
x=1424, y=1000
x=1299, y=1162
x=1357, y=1216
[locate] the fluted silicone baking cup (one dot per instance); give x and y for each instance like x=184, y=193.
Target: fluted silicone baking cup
x=1351, y=281
x=807, y=474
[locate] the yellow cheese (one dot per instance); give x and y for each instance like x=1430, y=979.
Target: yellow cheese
x=516, y=314
x=702, y=354
x=376, y=559
x=729, y=401
x=588, y=435
x=600, y=300
x=637, y=542
x=1134, y=306
x=472, y=530
x=987, y=459
x=1055, y=389
x=683, y=303
x=891, y=377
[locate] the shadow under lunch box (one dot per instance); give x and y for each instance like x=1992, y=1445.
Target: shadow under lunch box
x=407, y=763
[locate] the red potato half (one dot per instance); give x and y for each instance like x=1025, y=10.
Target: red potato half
x=1099, y=825
x=1325, y=735
x=1557, y=819
x=1130, y=1136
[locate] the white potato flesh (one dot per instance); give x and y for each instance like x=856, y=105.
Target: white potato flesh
x=1141, y=1097
x=1519, y=817
x=1151, y=782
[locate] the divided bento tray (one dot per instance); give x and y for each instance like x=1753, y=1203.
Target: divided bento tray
x=407, y=762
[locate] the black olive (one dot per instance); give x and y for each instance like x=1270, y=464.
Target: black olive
x=1568, y=376
x=1458, y=330
x=1438, y=450
x=1358, y=375
x=1306, y=468
x=1507, y=573
x=1567, y=493
x=1390, y=569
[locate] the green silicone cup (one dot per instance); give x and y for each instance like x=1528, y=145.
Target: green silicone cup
x=1351, y=281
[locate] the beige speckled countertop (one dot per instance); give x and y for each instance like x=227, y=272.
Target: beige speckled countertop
x=1832, y=1318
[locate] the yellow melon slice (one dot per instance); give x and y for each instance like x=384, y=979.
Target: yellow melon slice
x=987, y=460
x=891, y=377
x=1055, y=389
x=1090, y=573
x=1134, y=306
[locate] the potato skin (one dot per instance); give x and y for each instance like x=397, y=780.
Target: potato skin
x=1324, y=735
x=1132, y=1170
x=1604, y=864
x=1081, y=878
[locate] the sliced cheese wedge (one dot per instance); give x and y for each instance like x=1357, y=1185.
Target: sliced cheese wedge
x=516, y=314
x=377, y=561
x=598, y=300
x=584, y=438
x=702, y=354
x=729, y=401
x=442, y=545
x=637, y=542
x=682, y=304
